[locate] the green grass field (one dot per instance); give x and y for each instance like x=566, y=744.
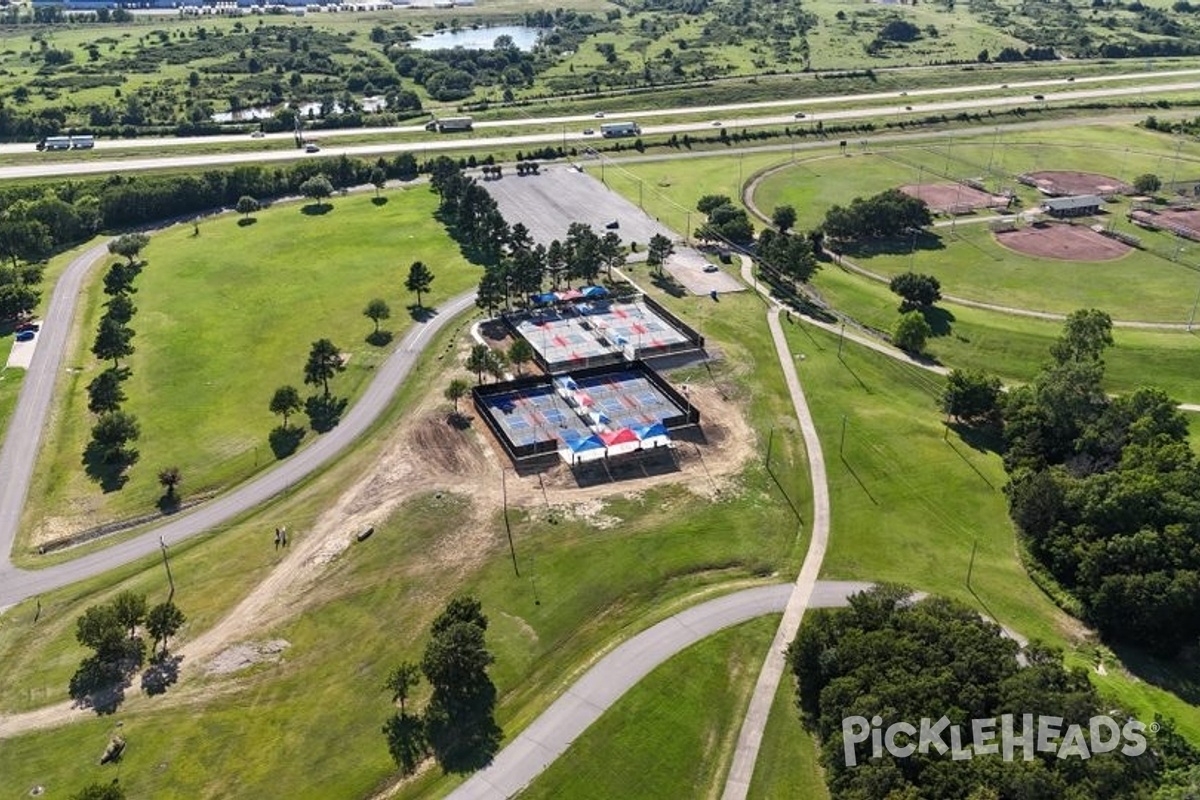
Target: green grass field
x=278, y=733
x=224, y=319
x=788, y=763
x=10, y=387
x=672, y=735
x=911, y=504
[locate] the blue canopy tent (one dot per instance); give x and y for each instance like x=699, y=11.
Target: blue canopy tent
x=654, y=435
x=594, y=291
x=585, y=449
x=543, y=299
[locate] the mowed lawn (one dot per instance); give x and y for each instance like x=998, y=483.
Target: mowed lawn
x=223, y=319
x=672, y=734
x=1015, y=347
x=914, y=503
x=10, y=387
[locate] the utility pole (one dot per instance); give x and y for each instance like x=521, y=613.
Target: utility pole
x=841, y=339
x=507, y=527
x=167, y=564
x=971, y=564
x=842, y=443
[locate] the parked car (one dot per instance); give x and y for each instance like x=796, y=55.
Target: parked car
x=25, y=336
x=612, y=226
x=28, y=326
x=711, y=268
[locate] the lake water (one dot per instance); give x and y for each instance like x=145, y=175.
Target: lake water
x=477, y=39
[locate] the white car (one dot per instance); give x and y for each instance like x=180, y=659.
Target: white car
x=599, y=115
x=711, y=268
x=311, y=148
x=257, y=135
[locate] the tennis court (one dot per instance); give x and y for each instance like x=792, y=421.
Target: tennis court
x=537, y=414
x=580, y=334
x=625, y=400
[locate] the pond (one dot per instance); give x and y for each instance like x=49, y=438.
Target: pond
x=477, y=38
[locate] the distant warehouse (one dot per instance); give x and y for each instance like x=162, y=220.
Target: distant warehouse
x=612, y=130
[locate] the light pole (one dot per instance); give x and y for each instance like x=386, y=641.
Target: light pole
x=1192, y=318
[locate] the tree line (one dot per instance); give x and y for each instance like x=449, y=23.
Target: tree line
x=889, y=660
x=1105, y=492
x=108, y=455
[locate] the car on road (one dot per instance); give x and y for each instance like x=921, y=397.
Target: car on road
x=257, y=135
x=904, y=94
x=711, y=268
x=717, y=123
x=799, y=115
x=588, y=131
x=599, y=115
x=26, y=336
x=311, y=148
x=612, y=226
x=1039, y=97
x=908, y=108
x=1071, y=79
x=1004, y=86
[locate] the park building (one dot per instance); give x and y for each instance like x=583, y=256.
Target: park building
x=1077, y=206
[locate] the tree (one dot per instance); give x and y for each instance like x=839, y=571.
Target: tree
x=419, y=280
x=911, y=332
x=709, y=202
x=129, y=246
x=285, y=402
x=497, y=363
x=376, y=310
x=401, y=681
x=971, y=395
x=23, y=239
x=318, y=188
x=520, y=352
x=378, y=179
x=247, y=205
x=121, y=308
x=916, y=290
x=457, y=390
x=479, y=361
x=113, y=341
x=1148, y=183
x=104, y=392
x=129, y=609
x=493, y=289
x=99, y=629
x=611, y=252
x=783, y=218
x=658, y=250
x=324, y=362
x=170, y=478
x=112, y=432
x=164, y=621
x=1086, y=334
x=119, y=279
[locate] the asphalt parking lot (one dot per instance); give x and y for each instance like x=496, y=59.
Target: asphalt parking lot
x=547, y=203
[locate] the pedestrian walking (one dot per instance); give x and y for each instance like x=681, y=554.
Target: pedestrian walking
x=283, y=536
x=278, y=538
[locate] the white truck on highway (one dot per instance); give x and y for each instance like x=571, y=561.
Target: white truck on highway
x=612, y=130
x=67, y=143
x=449, y=124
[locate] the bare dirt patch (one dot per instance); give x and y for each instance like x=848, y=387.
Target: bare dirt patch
x=1066, y=182
x=948, y=197
x=1180, y=221
x=1063, y=242
x=246, y=654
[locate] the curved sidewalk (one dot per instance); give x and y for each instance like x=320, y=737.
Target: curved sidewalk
x=549, y=736
x=18, y=456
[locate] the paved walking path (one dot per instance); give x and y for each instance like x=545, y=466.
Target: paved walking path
x=19, y=452
x=737, y=782
x=549, y=736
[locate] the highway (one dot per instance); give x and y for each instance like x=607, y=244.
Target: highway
x=909, y=104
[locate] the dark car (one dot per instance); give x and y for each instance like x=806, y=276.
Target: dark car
x=28, y=326
x=25, y=336
x=612, y=226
